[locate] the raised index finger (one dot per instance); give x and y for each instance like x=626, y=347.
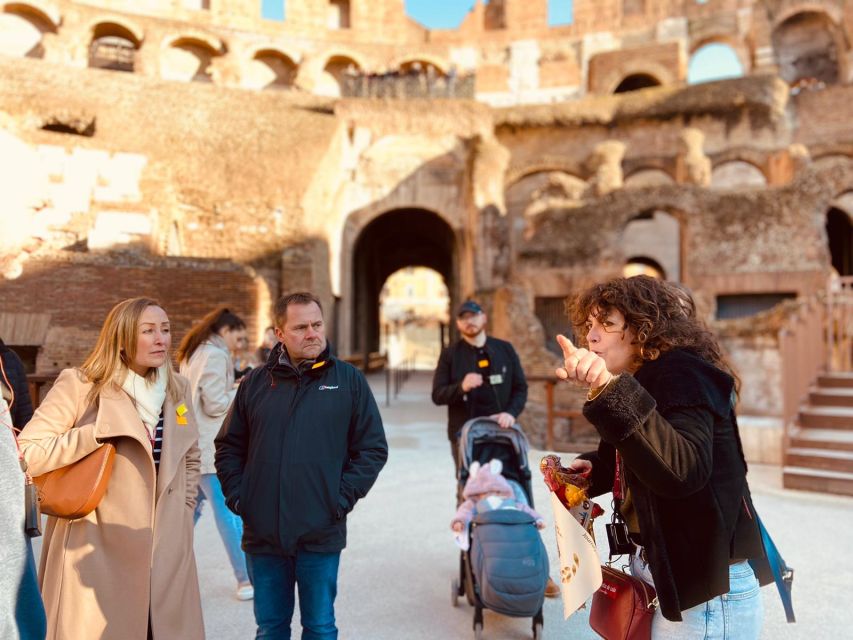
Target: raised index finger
x=566, y=345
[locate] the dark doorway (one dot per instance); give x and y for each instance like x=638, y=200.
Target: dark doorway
x=637, y=81
x=840, y=235
x=394, y=240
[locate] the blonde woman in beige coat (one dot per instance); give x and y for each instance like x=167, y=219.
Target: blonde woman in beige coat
x=127, y=570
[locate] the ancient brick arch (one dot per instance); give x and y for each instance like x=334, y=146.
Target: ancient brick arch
x=189, y=56
x=270, y=68
x=647, y=176
x=406, y=63
x=113, y=44
x=29, y=21
x=386, y=243
x=739, y=168
x=809, y=46
x=839, y=233
x=655, y=237
x=740, y=49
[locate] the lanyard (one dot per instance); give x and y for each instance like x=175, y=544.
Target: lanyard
x=618, y=494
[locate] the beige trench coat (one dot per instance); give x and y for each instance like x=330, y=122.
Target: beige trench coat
x=101, y=574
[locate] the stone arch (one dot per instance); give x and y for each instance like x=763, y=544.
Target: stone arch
x=636, y=81
x=643, y=265
x=113, y=45
x=22, y=28
x=729, y=61
x=338, y=71
x=270, y=68
x=809, y=48
x=737, y=174
x=656, y=235
x=379, y=247
x=647, y=177
x=189, y=57
x=405, y=65
x=44, y=11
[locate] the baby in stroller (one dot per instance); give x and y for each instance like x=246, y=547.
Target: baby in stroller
x=487, y=490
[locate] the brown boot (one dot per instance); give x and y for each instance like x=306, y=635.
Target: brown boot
x=552, y=589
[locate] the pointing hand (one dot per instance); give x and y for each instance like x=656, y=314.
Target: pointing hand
x=582, y=367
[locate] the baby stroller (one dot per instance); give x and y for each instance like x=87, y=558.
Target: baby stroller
x=506, y=566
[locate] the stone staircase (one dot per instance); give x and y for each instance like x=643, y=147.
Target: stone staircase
x=820, y=454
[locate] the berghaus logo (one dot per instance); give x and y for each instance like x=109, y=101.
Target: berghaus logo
x=326, y=387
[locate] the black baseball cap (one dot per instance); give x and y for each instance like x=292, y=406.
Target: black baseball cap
x=469, y=306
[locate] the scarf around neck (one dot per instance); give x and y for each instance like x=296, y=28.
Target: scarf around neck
x=148, y=397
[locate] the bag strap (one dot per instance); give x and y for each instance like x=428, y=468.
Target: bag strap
x=783, y=575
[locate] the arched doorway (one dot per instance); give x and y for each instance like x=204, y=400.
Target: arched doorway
x=807, y=49
x=395, y=240
x=839, y=232
x=635, y=82
x=414, y=313
x=652, y=239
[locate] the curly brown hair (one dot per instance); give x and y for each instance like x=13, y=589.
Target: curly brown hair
x=661, y=314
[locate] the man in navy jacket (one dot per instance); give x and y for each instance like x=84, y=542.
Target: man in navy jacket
x=302, y=442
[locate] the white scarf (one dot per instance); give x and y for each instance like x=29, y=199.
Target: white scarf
x=147, y=396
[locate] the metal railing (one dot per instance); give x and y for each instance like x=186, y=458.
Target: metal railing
x=552, y=413
x=839, y=316
x=395, y=378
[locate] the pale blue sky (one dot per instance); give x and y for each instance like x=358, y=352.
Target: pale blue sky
x=712, y=62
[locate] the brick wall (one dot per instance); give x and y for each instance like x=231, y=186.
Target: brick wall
x=79, y=293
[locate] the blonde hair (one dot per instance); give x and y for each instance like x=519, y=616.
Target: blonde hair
x=115, y=349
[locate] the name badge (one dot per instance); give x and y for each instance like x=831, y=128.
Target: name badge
x=496, y=378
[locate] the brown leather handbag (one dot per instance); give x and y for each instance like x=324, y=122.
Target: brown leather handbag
x=74, y=491
x=623, y=607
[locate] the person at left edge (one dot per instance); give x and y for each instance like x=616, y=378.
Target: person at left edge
x=302, y=442
x=125, y=571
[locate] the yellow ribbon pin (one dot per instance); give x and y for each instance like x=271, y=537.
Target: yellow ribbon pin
x=317, y=365
x=181, y=410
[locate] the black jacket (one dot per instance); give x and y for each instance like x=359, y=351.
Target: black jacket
x=22, y=407
x=459, y=359
x=675, y=427
x=296, y=451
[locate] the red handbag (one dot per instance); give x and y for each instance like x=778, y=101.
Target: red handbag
x=623, y=607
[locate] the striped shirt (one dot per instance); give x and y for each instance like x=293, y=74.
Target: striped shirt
x=157, y=445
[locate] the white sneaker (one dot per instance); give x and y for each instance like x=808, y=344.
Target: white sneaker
x=245, y=591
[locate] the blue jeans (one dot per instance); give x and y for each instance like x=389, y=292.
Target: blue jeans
x=229, y=524
x=736, y=615
x=316, y=577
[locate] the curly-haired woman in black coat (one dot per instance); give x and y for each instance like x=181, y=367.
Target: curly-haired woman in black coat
x=661, y=396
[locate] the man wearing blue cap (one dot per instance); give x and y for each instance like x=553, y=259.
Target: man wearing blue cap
x=478, y=376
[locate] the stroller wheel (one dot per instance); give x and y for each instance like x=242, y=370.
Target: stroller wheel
x=537, y=631
x=454, y=592
x=478, y=630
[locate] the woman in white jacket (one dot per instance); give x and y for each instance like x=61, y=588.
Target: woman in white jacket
x=205, y=359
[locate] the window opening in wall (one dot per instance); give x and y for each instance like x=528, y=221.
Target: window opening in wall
x=744, y=305
x=339, y=14
x=273, y=10
x=560, y=12
x=637, y=81
x=112, y=52
x=551, y=312
x=839, y=232
x=715, y=61
x=642, y=266
x=27, y=354
x=413, y=316
x=806, y=51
